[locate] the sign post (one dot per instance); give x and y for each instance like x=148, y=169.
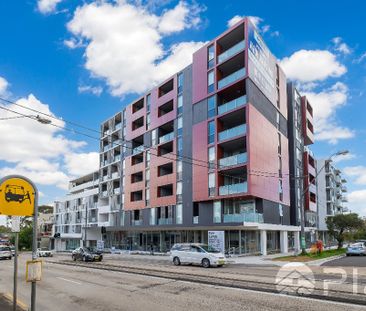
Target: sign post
x=15, y=228
x=19, y=197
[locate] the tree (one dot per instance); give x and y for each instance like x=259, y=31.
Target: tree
x=25, y=237
x=4, y=229
x=341, y=224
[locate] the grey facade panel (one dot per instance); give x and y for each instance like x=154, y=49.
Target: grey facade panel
x=200, y=112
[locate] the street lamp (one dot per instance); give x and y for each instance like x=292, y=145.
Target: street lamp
x=302, y=211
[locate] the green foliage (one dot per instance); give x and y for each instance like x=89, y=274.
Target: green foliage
x=25, y=238
x=4, y=229
x=45, y=209
x=342, y=225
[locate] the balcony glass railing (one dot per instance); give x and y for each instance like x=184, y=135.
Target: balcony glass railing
x=165, y=221
x=230, y=52
x=137, y=222
x=105, y=148
x=118, y=126
x=195, y=219
x=233, y=188
x=232, y=132
x=244, y=217
x=233, y=160
x=117, y=158
x=231, y=105
x=166, y=137
x=115, y=175
x=138, y=149
x=231, y=78
x=117, y=190
x=105, y=193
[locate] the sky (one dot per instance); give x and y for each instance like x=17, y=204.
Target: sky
x=82, y=61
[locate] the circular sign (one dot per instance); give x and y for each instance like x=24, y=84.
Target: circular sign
x=17, y=196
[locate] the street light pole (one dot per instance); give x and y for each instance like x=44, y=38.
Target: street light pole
x=302, y=196
x=86, y=223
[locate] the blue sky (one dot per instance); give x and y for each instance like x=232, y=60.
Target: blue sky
x=85, y=60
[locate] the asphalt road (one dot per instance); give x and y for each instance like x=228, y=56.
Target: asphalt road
x=348, y=261
x=76, y=288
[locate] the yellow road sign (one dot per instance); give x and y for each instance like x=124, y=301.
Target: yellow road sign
x=17, y=196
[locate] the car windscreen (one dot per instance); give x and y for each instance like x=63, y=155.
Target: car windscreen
x=4, y=248
x=209, y=249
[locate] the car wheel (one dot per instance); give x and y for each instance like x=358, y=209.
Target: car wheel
x=176, y=261
x=73, y=258
x=205, y=263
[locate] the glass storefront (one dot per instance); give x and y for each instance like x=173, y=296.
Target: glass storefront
x=273, y=242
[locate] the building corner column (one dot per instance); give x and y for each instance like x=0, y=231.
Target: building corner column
x=284, y=241
x=297, y=240
x=263, y=234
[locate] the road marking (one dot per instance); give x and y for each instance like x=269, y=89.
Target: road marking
x=67, y=280
x=20, y=304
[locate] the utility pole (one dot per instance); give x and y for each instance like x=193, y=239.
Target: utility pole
x=86, y=221
x=302, y=209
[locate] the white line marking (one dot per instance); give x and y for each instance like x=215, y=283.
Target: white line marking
x=67, y=280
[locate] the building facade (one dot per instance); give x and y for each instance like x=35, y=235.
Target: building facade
x=78, y=214
x=332, y=195
x=206, y=150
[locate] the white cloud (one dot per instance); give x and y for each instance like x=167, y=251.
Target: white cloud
x=345, y=157
x=312, y=65
x=35, y=150
x=257, y=21
x=73, y=43
x=124, y=43
x=3, y=86
x=95, y=90
x=341, y=46
x=358, y=173
x=232, y=21
x=325, y=103
x=82, y=163
x=360, y=59
x=357, y=201
x=47, y=6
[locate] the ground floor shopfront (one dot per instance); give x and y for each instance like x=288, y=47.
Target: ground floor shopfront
x=239, y=241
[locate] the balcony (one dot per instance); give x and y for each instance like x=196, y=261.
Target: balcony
x=233, y=188
x=233, y=132
x=232, y=51
x=118, y=126
x=233, y=160
x=115, y=175
x=165, y=221
x=117, y=191
x=244, y=217
x=107, y=147
x=138, y=149
x=167, y=137
x=137, y=222
x=231, y=78
x=233, y=104
x=104, y=193
x=195, y=219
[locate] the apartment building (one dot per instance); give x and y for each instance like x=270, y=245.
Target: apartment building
x=303, y=189
x=332, y=195
x=206, y=150
x=77, y=214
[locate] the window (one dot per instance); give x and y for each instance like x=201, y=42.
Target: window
x=153, y=216
x=179, y=191
x=153, y=137
x=279, y=143
x=211, y=106
x=211, y=81
x=147, y=196
x=217, y=212
x=148, y=121
x=180, y=82
x=211, y=184
x=278, y=119
x=148, y=102
x=211, y=56
x=211, y=157
x=179, y=146
x=280, y=190
x=180, y=126
x=148, y=155
x=211, y=132
x=179, y=170
x=147, y=177
x=179, y=214
x=180, y=104
x=279, y=167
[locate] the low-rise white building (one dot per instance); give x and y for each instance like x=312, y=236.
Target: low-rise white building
x=76, y=216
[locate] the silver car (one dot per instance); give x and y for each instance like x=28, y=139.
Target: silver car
x=194, y=253
x=356, y=249
x=5, y=252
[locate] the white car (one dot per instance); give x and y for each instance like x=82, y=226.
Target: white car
x=5, y=252
x=357, y=249
x=194, y=253
x=44, y=252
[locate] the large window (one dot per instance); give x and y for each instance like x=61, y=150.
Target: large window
x=211, y=81
x=211, y=184
x=211, y=56
x=211, y=157
x=179, y=214
x=180, y=83
x=217, y=212
x=211, y=132
x=179, y=170
x=211, y=106
x=180, y=146
x=148, y=102
x=180, y=126
x=180, y=104
x=152, y=216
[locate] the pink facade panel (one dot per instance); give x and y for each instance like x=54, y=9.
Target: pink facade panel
x=263, y=159
x=200, y=172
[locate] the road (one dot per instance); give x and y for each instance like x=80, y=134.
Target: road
x=78, y=288
x=350, y=261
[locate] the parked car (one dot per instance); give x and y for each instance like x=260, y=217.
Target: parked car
x=12, y=248
x=358, y=248
x=5, y=252
x=194, y=253
x=86, y=254
x=44, y=252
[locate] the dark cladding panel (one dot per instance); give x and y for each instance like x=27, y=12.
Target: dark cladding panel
x=200, y=111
